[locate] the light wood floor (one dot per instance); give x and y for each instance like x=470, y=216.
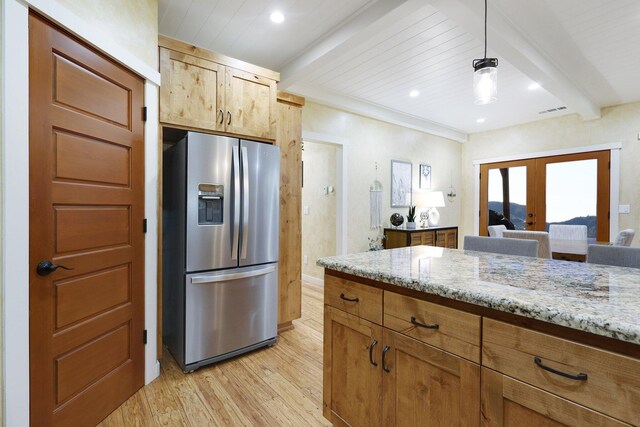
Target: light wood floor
x=277, y=386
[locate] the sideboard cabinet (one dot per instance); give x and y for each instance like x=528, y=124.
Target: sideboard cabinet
x=444, y=237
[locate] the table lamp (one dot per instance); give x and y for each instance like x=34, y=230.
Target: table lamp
x=433, y=200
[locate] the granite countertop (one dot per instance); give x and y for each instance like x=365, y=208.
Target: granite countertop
x=599, y=299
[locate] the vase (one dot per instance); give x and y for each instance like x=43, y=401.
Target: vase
x=411, y=225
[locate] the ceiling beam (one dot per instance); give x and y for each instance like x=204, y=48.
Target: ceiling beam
x=512, y=43
x=324, y=96
x=345, y=37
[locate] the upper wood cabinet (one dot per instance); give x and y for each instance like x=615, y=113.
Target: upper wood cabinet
x=204, y=90
x=192, y=91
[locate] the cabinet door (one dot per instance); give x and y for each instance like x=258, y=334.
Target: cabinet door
x=509, y=402
x=352, y=389
x=425, y=386
x=250, y=104
x=447, y=239
x=192, y=91
x=429, y=238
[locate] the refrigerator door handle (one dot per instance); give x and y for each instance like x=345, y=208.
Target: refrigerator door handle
x=232, y=276
x=236, y=202
x=245, y=197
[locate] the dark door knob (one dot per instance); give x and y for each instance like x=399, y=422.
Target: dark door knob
x=47, y=267
x=530, y=223
x=530, y=215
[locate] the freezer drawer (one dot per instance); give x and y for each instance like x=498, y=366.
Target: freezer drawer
x=230, y=310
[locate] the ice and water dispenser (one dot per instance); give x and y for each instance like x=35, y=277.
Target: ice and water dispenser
x=210, y=202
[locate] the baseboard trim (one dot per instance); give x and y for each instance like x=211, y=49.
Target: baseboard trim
x=313, y=280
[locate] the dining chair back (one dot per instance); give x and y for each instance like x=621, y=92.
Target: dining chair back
x=620, y=256
x=496, y=230
x=501, y=246
x=542, y=237
x=568, y=232
x=624, y=238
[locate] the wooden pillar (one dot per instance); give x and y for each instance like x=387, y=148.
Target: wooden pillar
x=289, y=139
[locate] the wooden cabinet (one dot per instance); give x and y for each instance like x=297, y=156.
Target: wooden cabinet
x=289, y=139
x=207, y=91
x=375, y=376
x=424, y=386
x=427, y=363
x=192, y=91
x=352, y=383
x=512, y=403
x=604, y=381
x=445, y=237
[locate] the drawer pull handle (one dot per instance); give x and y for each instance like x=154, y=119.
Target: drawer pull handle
x=373, y=344
x=384, y=353
x=356, y=299
x=424, y=325
x=579, y=377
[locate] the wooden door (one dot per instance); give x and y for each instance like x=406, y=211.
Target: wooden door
x=535, y=196
x=545, y=187
x=250, y=104
x=86, y=211
x=352, y=387
x=509, y=402
x=518, y=191
x=425, y=386
x=192, y=91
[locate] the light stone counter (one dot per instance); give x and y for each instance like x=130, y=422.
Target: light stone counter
x=599, y=299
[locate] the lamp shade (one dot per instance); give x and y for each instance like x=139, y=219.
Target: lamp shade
x=434, y=199
x=485, y=85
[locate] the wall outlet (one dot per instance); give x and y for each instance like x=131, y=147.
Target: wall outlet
x=305, y=210
x=624, y=209
x=306, y=260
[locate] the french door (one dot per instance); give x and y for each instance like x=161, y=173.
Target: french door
x=531, y=194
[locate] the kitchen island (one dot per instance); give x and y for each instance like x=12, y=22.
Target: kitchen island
x=433, y=336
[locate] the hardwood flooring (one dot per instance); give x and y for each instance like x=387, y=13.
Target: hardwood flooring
x=277, y=386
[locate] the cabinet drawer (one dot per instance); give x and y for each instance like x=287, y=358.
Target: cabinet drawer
x=456, y=332
x=428, y=238
x=612, y=383
x=355, y=298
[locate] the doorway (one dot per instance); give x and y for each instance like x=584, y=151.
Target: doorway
x=324, y=200
x=531, y=194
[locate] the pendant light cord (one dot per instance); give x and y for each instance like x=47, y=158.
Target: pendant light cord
x=485, y=28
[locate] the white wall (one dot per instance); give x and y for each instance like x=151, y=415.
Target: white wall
x=107, y=36
x=618, y=124
x=319, y=226
x=372, y=141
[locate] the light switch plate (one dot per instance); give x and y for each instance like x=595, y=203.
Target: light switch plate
x=305, y=210
x=624, y=209
x=306, y=259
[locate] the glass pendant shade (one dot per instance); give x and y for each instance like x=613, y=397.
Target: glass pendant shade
x=485, y=85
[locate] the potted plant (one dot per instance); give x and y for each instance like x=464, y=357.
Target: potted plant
x=411, y=218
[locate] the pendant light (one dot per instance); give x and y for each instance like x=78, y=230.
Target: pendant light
x=485, y=73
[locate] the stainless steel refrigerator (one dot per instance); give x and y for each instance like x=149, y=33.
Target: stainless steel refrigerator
x=220, y=247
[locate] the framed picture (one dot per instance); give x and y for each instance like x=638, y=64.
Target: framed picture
x=400, y=184
x=425, y=177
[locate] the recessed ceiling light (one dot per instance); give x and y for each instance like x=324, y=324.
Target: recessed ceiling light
x=414, y=93
x=277, y=17
x=480, y=121
x=534, y=86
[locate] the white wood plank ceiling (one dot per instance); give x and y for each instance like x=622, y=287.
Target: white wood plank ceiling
x=367, y=55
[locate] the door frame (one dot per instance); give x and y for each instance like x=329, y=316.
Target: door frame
x=15, y=192
x=614, y=178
